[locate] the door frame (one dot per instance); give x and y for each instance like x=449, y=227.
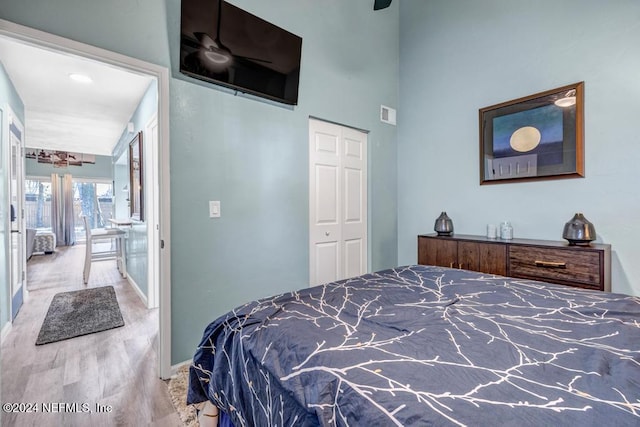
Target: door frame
x=161, y=74
x=151, y=218
x=12, y=118
x=5, y=228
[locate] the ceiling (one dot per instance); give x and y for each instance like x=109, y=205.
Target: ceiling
x=65, y=115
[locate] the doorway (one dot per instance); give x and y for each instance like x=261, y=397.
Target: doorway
x=17, y=264
x=161, y=252
x=337, y=202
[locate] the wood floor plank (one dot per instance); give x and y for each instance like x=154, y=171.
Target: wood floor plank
x=114, y=369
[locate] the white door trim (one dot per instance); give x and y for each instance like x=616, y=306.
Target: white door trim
x=161, y=74
x=152, y=196
x=12, y=118
x=5, y=224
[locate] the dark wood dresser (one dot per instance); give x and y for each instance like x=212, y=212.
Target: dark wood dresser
x=546, y=260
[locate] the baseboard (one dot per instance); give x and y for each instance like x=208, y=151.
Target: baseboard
x=136, y=288
x=5, y=331
x=175, y=368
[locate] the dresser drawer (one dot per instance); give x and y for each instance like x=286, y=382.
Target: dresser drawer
x=559, y=265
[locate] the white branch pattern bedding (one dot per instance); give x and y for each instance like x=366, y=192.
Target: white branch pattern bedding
x=425, y=345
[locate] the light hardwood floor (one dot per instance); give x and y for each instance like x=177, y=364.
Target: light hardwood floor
x=117, y=367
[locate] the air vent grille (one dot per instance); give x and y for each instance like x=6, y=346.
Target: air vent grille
x=387, y=115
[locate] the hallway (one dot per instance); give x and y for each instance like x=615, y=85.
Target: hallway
x=117, y=367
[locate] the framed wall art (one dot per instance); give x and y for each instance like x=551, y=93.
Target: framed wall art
x=136, y=187
x=540, y=136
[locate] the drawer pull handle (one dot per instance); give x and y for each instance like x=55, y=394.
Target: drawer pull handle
x=550, y=264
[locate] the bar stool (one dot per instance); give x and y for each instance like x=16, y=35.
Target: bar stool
x=102, y=234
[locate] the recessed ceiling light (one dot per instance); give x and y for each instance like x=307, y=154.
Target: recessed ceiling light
x=80, y=78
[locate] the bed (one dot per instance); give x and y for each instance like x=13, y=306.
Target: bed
x=424, y=345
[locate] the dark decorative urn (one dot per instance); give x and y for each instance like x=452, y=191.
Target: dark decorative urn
x=579, y=231
x=443, y=225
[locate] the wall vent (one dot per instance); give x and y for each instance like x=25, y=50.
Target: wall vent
x=387, y=115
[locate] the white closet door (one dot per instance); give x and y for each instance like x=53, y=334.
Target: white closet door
x=337, y=202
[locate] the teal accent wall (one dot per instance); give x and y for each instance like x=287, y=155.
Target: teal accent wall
x=137, y=235
x=250, y=154
x=443, y=61
x=102, y=169
x=8, y=98
x=461, y=55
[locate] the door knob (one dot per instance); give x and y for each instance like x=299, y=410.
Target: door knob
x=326, y=233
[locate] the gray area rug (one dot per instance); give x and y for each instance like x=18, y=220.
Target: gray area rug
x=76, y=313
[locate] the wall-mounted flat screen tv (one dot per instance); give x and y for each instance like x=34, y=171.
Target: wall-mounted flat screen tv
x=223, y=44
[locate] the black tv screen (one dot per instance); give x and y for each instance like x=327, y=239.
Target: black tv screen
x=223, y=44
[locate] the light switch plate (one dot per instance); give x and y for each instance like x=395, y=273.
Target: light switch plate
x=214, y=209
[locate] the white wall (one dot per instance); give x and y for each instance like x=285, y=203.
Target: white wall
x=461, y=55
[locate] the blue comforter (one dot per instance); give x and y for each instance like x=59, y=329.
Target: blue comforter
x=423, y=345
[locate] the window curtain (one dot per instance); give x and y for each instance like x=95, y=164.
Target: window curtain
x=62, y=215
x=56, y=208
x=69, y=223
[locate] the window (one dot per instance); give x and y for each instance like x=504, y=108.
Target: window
x=37, y=206
x=93, y=199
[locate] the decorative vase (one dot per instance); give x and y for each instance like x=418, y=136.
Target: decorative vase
x=443, y=225
x=579, y=231
x=506, y=231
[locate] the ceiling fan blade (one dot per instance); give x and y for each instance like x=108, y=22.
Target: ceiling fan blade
x=381, y=4
x=205, y=40
x=266, y=61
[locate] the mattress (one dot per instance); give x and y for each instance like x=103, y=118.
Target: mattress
x=423, y=345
